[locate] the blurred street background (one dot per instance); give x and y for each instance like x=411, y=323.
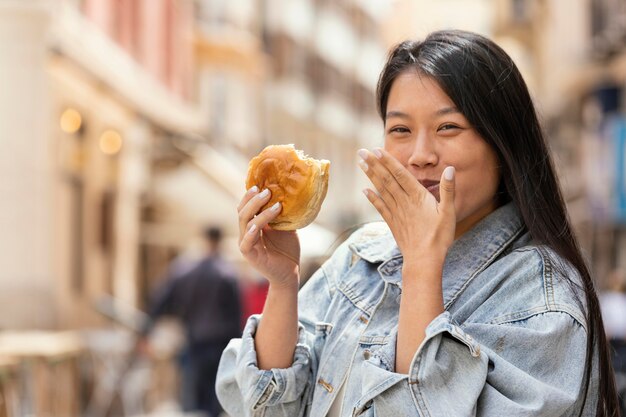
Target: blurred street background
x=126, y=127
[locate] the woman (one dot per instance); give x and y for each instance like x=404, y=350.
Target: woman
x=472, y=298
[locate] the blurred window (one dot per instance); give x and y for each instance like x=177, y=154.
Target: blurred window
x=297, y=59
x=290, y=58
x=314, y=73
x=169, y=38
x=77, y=4
x=334, y=39
x=362, y=23
x=519, y=10
x=77, y=193
x=242, y=14
x=107, y=209
x=212, y=14
x=219, y=103
x=608, y=26
x=107, y=226
x=280, y=48
x=363, y=100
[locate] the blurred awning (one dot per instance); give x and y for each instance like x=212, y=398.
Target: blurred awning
x=185, y=199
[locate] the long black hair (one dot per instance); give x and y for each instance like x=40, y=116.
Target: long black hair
x=488, y=89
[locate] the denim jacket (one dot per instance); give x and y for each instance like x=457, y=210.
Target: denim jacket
x=511, y=341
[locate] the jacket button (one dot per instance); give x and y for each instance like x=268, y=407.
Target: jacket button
x=325, y=384
x=367, y=354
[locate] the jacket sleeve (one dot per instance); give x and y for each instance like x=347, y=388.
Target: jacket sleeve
x=518, y=368
x=245, y=390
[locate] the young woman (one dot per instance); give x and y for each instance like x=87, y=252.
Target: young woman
x=472, y=298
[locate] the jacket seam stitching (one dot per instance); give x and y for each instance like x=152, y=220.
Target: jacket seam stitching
x=559, y=308
x=547, y=278
x=355, y=300
x=420, y=401
x=332, y=287
x=520, y=315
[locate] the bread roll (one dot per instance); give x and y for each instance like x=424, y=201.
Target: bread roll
x=299, y=183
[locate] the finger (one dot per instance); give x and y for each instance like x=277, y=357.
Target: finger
x=447, y=189
x=266, y=216
x=403, y=177
x=252, y=231
x=250, y=209
x=247, y=196
x=248, y=240
x=386, y=185
x=379, y=204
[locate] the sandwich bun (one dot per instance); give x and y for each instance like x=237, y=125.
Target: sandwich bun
x=297, y=182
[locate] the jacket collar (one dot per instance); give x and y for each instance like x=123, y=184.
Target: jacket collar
x=469, y=255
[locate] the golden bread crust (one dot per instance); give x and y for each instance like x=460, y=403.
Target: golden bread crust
x=298, y=183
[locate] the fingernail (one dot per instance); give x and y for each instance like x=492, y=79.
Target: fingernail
x=362, y=153
x=363, y=165
x=448, y=173
x=275, y=207
x=252, y=229
x=264, y=193
x=378, y=153
x=365, y=191
x=254, y=189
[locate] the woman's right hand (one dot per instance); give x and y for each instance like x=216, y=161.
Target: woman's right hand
x=273, y=253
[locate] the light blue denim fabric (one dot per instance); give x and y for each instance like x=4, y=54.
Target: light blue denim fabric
x=510, y=343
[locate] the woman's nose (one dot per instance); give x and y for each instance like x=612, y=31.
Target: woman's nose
x=423, y=152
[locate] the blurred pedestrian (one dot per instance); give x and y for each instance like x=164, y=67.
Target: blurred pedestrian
x=206, y=300
x=471, y=298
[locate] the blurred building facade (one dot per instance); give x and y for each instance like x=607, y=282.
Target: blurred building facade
x=133, y=122
x=577, y=73
x=96, y=85
x=593, y=119
x=25, y=166
x=128, y=124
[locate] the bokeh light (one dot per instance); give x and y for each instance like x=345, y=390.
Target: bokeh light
x=110, y=142
x=71, y=120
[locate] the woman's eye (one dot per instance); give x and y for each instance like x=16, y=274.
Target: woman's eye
x=447, y=127
x=398, y=129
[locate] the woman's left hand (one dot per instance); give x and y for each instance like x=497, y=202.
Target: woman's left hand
x=422, y=227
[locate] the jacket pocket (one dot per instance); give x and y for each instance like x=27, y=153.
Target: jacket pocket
x=371, y=346
x=322, y=330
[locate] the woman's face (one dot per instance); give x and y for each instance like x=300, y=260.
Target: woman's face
x=426, y=132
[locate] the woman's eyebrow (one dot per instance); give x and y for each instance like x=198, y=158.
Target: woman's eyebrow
x=396, y=113
x=441, y=112
x=446, y=110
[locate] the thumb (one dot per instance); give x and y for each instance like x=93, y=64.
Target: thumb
x=446, y=189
